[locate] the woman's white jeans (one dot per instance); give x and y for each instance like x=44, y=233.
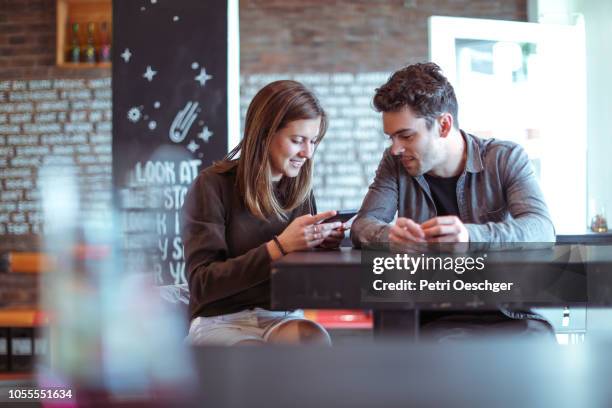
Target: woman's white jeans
x=229, y=329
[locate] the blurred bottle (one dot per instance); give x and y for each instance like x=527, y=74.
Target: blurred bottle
x=105, y=46
x=597, y=216
x=90, y=49
x=74, y=55
x=599, y=222
x=70, y=292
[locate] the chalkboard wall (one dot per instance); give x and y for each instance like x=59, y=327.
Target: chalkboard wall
x=169, y=120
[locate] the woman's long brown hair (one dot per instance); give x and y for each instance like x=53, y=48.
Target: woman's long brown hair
x=273, y=107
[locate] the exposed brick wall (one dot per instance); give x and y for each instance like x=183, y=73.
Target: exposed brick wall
x=349, y=35
x=359, y=40
x=27, y=42
x=276, y=35
x=27, y=33
x=47, y=115
x=53, y=130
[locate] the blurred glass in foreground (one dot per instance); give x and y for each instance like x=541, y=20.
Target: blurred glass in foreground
x=111, y=336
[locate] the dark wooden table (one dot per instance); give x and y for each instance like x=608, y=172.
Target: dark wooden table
x=333, y=280
x=587, y=238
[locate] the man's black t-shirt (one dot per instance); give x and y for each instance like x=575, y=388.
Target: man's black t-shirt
x=444, y=193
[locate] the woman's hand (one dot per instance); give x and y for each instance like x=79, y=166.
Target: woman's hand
x=304, y=232
x=334, y=239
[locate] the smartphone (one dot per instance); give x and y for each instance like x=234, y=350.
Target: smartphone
x=342, y=216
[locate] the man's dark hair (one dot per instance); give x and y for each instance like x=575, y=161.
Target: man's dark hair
x=423, y=88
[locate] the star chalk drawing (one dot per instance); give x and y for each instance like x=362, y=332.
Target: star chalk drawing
x=193, y=146
x=126, y=55
x=205, y=134
x=202, y=77
x=149, y=74
x=183, y=121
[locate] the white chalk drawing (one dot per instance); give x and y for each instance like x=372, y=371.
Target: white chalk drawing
x=202, y=77
x=153, y=1
x=126, y=55
x=193, y=146
x=195, y=65
x=143, y=8
x=175, y=18
x=134, y=114
x=205, y=134
x=149, y=73
x=152, y=125
x=183, y=121
x=156, y=105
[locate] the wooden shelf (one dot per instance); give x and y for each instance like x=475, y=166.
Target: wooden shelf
x=84, y=65
x=16, y=376
x=23, y=318
x=31, y=262
x=82, y=12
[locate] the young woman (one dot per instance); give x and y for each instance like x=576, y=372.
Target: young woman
x=250, y=209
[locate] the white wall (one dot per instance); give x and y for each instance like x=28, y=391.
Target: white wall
x=597, y=16
x=598, y=25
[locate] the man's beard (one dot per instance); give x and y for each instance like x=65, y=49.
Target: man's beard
x=412, y=167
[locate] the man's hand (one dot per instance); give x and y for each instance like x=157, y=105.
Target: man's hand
x=448, y=228
x=406, y=231
x=334, y=239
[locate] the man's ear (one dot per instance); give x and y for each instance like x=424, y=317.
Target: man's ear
x=445, y=123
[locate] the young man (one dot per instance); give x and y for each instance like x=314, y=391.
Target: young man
x=447, y=185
